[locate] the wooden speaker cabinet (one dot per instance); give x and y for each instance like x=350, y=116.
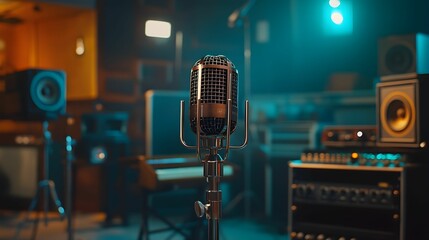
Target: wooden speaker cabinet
x=401, y=115
x=328, y=201
x=403, y=54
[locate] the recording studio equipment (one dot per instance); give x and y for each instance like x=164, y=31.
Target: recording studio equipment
x=403, y=55
x=278, y=143
x=33, y=94
x=401, y=115
x=104, y=140
x=349, y=136
x=103, y=132
x=45, y=186
x=19, y=161
x=213, y=117
x=374, y=157
x=330, y=201
x=104, y=124
x=157, y=124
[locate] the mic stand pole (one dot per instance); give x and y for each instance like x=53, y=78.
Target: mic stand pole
x=247, y=193
x=69, y=178
x=247, y=163
x=213, y=171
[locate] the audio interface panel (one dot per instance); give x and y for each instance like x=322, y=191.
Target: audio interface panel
x=332, y=201
x=349, y=136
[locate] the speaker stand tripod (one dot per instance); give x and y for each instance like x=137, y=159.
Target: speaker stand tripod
x=46, y=186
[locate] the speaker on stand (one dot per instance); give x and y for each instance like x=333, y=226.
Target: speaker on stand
x=36, y=95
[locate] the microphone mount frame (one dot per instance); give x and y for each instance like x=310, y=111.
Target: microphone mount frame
x=213, y=164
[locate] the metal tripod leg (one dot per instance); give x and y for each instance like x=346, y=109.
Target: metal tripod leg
x=49, y=187
x=54, y=196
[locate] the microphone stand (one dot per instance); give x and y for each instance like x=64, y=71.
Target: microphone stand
x=213, y=166
x=70, y=142
x=213, y=171
x=46, y=185
x=236, y=19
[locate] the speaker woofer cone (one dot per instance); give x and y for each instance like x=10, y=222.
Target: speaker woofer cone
x=47, y=91
x=397, y=114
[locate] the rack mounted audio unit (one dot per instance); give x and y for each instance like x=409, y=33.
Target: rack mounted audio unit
x=367, y=157
x=349, y=136
x=331, y=201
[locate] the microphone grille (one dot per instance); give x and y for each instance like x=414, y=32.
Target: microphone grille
x=214, y=80
x=215, y=60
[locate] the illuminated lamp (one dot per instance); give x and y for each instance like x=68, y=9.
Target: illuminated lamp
x=158, y=29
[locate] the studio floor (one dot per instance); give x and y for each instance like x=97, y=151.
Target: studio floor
x=90, y=227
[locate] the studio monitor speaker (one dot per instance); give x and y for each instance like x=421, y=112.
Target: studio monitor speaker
x=402, y=116
x=33, y=95
x=403, y=54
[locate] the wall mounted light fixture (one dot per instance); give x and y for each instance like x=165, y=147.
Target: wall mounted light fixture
x=80, y=46
x=159, y=29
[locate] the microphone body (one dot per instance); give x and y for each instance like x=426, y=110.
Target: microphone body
x=214, y=80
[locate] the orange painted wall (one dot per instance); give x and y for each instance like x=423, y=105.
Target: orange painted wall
x=56, y=49
x=50, y=43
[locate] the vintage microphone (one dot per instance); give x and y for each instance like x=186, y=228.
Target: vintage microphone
x=213, y=117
